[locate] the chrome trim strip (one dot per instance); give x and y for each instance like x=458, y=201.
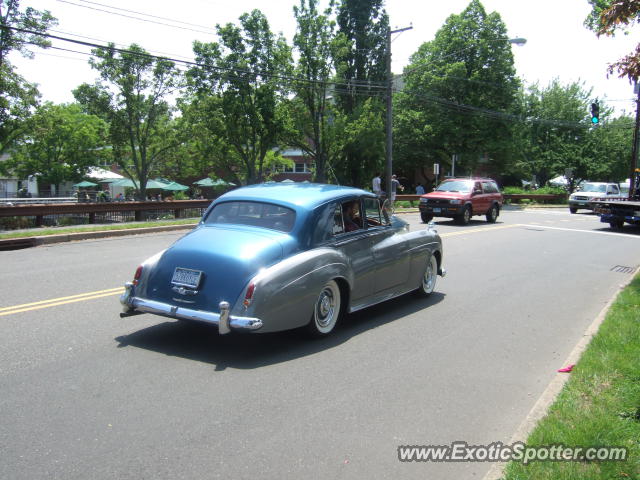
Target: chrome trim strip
x=223, y=320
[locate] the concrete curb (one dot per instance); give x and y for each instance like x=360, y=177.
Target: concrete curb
x=548, y=397
x=26, y=242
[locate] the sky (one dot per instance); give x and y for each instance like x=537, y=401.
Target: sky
x=558, y=45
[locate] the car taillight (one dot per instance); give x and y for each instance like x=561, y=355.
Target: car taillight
x=249, y=295
x=137, y=275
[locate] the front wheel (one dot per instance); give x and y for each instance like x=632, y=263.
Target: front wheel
x=428, y=283
x=326, y=311
x=465, y=217
x=573, y=209
x=426, y=217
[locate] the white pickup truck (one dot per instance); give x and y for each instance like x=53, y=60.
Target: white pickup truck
x=591, y=191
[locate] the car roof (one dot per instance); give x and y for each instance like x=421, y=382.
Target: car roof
x=300, y=195
x=474, y=179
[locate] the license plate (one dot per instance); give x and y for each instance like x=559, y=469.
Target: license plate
x=185, y=277
x=437, y=210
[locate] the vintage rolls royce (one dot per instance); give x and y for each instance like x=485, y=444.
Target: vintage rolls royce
x=280, y=256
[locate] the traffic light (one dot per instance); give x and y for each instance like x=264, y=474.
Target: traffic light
x=595, y=113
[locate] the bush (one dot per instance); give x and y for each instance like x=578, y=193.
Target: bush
x=16, y=223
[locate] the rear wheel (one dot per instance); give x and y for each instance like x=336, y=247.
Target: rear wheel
x=465, y=217
x=428, y=283
x=326, y=311
x=426, y=217
x=573, y=209
x=492, y=214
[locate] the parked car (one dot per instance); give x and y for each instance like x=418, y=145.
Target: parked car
x=592, y=190
x=274, y=257
x=462, y=198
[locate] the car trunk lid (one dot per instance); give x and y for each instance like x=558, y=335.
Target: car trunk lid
x=228, y=257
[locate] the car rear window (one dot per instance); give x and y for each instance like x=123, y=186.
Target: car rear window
x=255, y=214
x=455, y=186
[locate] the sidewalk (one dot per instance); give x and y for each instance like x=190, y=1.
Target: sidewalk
x=37, y=240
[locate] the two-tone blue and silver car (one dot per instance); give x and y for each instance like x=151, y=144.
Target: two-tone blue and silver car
x=275, y=257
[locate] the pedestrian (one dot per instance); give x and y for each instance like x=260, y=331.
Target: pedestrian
x=377, y=185
x=395, y=186
x=419, y=189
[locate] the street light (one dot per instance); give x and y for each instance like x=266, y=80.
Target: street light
x=389, y=127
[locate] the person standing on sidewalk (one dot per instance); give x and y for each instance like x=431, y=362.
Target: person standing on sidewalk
x=395, y=186
x=377, y=185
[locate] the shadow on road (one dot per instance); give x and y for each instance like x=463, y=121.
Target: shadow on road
x=202, y=343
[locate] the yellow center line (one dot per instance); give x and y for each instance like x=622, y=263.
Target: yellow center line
x=60, y=301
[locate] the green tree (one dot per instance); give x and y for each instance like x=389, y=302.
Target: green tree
x=610, y=16
x=204, y=149
x=360, y=57
x=460, y=93
x=311, y=110
x=18, y=97
x=245, y=69
x=132, y=96
x=557, y=137
x=60, y=143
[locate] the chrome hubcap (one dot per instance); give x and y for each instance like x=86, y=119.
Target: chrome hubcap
x=325, y=308
x=429, y=279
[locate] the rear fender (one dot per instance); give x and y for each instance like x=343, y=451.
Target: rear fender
x=285, y=294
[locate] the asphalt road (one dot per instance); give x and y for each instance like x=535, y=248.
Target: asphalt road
x=85, y=394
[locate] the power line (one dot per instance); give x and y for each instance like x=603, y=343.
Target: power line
x=139, y=13
x=210, y=32
x=238, y=72
x=375, y=88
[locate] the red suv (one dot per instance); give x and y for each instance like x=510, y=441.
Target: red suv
x=461, y=198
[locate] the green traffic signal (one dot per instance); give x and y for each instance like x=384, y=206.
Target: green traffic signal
x=595, y=113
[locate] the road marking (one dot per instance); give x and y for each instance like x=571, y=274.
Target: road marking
x=625, y=235
x=478, y=230
x=25, y=307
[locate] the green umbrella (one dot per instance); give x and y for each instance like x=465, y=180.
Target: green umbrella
x=128, y=183
x=208, y=182
x=124, y=182
x=154, y=184
x=176, y=187
x=85, y=184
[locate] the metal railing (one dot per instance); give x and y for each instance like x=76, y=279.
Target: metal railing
x=62, y=214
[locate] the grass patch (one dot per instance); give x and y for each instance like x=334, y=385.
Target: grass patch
x=599, y=405
x=96, y=228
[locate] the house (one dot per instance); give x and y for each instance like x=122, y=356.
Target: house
x=302, y=169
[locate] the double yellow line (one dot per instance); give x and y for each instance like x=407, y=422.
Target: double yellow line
x=26, y=307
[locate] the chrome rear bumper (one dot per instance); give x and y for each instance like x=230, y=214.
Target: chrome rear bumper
x=223, y=320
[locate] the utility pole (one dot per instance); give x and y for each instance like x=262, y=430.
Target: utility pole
x=389, y=126
x=636, y=147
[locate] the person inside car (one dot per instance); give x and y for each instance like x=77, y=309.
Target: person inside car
x=349, y=215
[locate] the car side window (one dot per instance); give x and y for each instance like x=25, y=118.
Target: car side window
x=373, y=212
x=612, y=189
x=489, y=187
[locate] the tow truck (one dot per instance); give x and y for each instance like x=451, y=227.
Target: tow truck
x=617, y=212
